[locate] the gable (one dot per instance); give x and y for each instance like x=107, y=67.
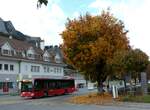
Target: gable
x=6, y=46
x=7, y=49
x=46, y=54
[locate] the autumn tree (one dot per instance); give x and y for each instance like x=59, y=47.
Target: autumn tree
x=89, y=44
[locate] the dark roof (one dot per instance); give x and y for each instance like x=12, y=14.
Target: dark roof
x=54, y=50
x=2, y=27
x=19, y=45
x=7, y=28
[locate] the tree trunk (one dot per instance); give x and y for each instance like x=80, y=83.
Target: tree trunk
x=100, y=87
x=125, y=86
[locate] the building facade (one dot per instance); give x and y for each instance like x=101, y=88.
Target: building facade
x=22, y=60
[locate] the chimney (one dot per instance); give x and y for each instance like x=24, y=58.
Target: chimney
x=42, y=44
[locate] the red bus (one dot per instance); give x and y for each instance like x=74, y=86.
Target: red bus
x=42, y=87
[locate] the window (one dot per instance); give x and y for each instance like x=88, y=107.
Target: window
x=51, y=70
x=19, y=54
x=11, y=67
x=37, y=56
x=44, y=69
x=8, y=52
x=1, y=85
x=31, y=56
x=0, y=66
x=38, y=69
x=10, y=85
x=54, y=70
x=35, y=68
x=47, y=69
x=60, y=70
x=5, y=52
x=6, y=67
x=46, y=58
x=12, y=52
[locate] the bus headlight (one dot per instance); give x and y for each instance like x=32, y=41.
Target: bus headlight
x=32, y=94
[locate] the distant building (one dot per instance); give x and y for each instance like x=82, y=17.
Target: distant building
x=80, y=82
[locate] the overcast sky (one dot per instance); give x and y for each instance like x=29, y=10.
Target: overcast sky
x=48, y=22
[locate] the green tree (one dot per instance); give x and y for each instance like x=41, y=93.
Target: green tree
x=148, y=71
x=118, y=64
x=136, y=62
x=132, y=62
x=89, y=44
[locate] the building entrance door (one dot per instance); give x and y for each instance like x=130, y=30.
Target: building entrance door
x=5, y=87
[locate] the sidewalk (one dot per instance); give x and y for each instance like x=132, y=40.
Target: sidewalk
x=12, y=93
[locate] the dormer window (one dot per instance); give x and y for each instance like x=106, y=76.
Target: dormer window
x=46, y=56
x=31, y=56
x=37, y=56
x=6, y=49
x=57, y=58
x=31, y=53
x=19, y=54
x=7, y=52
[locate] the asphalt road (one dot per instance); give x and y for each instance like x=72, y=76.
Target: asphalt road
x=60, y=103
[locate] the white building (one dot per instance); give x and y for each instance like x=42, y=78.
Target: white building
x=22, y=60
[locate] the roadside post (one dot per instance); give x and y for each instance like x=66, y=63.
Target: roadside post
x=115, y=91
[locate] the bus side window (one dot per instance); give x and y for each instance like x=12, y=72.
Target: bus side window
x=46, y=84
x=50, y=85
x=59, y=85
x=37, y=85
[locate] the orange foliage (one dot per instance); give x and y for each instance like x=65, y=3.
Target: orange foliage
x=90, y=42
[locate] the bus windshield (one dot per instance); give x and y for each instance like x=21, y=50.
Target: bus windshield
x=26, y=86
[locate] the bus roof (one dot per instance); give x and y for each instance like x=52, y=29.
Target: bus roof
x=53, y=79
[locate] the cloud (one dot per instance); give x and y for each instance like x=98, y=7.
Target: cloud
x=45, y=22
x=75, y=15
x=135, y=14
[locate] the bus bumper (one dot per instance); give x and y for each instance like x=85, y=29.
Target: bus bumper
x=27, y=94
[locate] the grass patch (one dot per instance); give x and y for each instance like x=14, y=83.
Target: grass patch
x=143, y=99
